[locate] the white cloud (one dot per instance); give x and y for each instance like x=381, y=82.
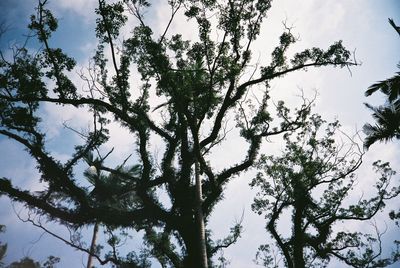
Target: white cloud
x=82, y=8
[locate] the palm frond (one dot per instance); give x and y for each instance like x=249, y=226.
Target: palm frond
x=387, y=125
x=389, y=87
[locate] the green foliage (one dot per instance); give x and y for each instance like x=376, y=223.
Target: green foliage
x=53, y=60
x=44, y=23
x=111, y=19
x=312, y=180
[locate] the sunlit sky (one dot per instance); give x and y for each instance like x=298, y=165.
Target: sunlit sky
x=361, y=24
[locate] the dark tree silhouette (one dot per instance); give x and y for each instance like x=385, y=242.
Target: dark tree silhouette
x=198, y=83
x=312, y=181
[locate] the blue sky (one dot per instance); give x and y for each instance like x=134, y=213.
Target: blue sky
x=361, y=24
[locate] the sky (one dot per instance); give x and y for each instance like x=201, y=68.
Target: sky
x=361, y=24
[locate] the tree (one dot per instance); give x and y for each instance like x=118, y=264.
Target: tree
x=387, y=116
x=312, y=182
x=199, y=84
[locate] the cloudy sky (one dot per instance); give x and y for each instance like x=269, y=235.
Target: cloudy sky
x=361, y=24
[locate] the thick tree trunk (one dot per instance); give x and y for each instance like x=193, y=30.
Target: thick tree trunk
x=200, y=220
x=92, y=245
x=298, y=245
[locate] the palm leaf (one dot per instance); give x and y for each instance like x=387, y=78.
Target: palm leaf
x=387, y=124
x=389, y=87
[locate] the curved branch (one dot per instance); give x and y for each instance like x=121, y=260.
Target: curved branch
x=119, y=114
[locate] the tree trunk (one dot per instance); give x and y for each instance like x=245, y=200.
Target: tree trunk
x=92, y=245
x=298, y=244
x=200, y=218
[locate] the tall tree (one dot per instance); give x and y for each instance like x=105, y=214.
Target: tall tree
x=312, y=181
x=200, y=83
